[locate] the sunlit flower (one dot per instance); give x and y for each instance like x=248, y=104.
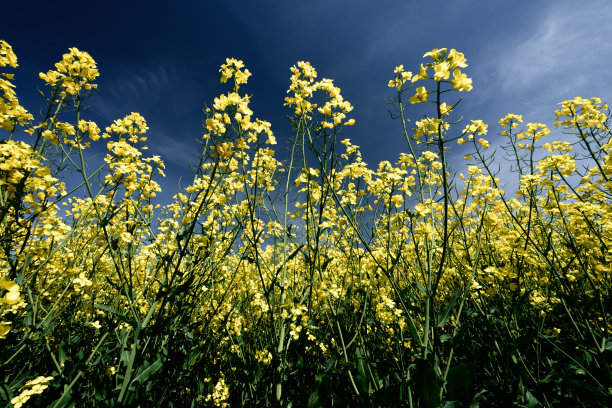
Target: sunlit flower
x=460, y=81
x=421, y=95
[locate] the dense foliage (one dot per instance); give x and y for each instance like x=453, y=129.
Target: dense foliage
x=316, y=281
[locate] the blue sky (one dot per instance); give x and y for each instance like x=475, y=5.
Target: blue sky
x=161, y=59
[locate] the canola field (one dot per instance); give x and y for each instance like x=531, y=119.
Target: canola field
x=315, y=281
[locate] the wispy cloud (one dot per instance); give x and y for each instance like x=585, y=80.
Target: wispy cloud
x=179, y=149
x=558, y=54
x=569, y=43
x=169, y=98
x=129, y=87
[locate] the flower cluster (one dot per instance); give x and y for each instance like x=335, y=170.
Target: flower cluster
x=32, y=387
x=582, y=112
x=234, y=108
x=233, y=69
x=303, y=86
x=443, y=64
x=401, y=77
x=11, y=112
x=77, y=70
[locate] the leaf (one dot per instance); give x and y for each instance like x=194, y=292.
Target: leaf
x=322, y=392
x=5, y=393
x=445, y=337
x=445, y=315
x=360, y=362
x=65, y=399
x=362, y=379
x=326, y=263
x=330, y=364
x=531, y=400
x=413, y=331
x=421, y=287
x=313, y=400
x=458, y=382
x=147, y=372
x=117, y=313
x=426, y=383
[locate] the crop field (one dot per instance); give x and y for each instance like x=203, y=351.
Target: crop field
x=314, y=281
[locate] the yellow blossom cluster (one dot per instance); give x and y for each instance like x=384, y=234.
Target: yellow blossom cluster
x=231, y=111
x=10, y=302
x=303, y=87
x=233, y=69
x=582, y=112
x=401, y=77
x=130, y=127
x=443, y=64
x=11, y=112
x=32, y=387
x=77, y=70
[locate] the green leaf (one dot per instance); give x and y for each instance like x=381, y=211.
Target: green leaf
x=426, y=383
x=313, y=400
x=421, y=287
x=147, y=372
x=326, y=263
x=362, y=379
x=115, y=312
x=458, y=382
x=445, y=315
x=322, y=392
x=531, y=400
x=61, y=355
x=360, y=362
x=5, y=393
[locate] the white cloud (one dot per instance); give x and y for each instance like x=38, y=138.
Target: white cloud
x=134, y=88
x=568, y=49
x=178, y=149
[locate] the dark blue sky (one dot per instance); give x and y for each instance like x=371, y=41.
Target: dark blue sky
x=162, y=58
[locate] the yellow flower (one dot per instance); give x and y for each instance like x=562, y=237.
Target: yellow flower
x=131, y=126
x=456, y=59
x=460, y=81
x=421, y=75
x=12, y=292
x=32, y=387
x=445, y=109
x=421, y=95
x=441, y=71
x=421, y=210
x=5, y=328
x=483, y=143
x=436, y=54
x=476, y=127
x=511, y=119
x=7, y=56
x=582, y=112
x=397, y=200
x=401, y=76
x=75, y=71
x=11, y=112
x=537, y=130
